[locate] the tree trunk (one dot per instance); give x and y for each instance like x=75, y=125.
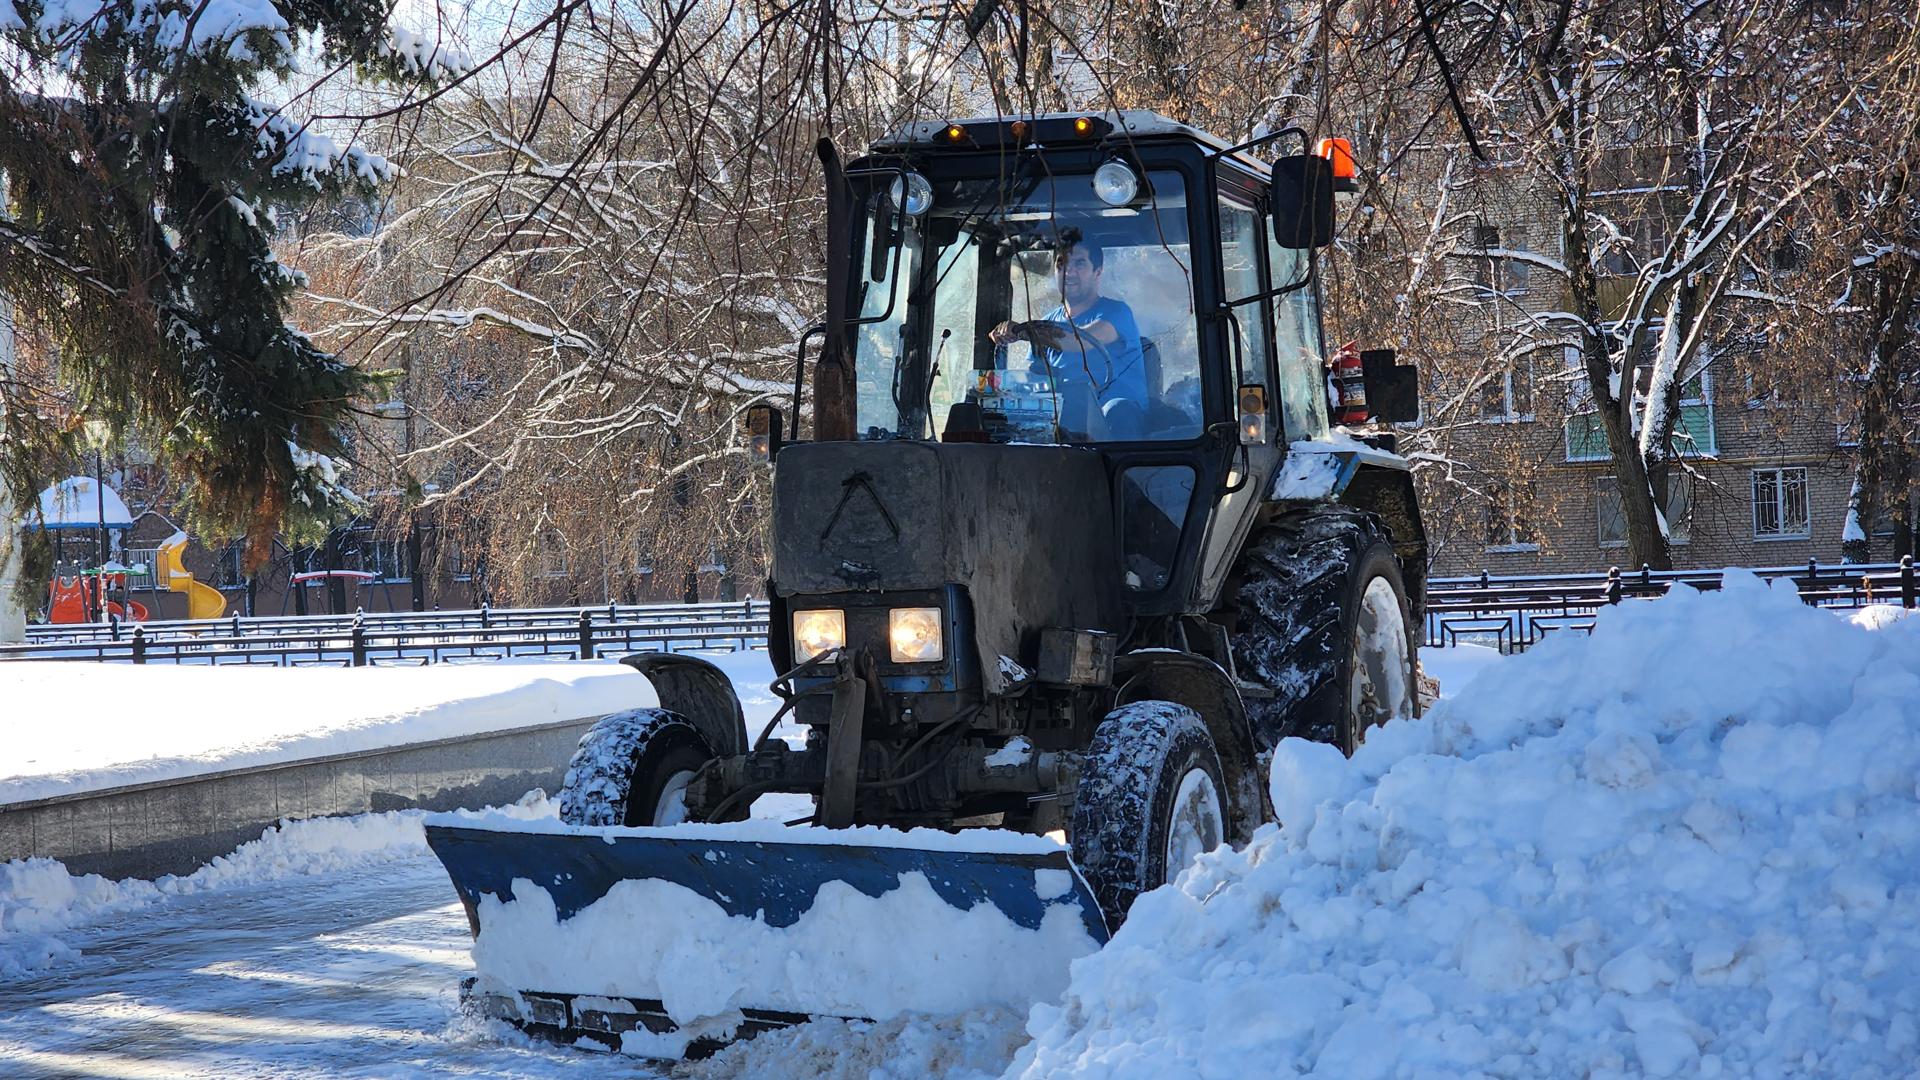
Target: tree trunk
x=1646, y=544
x=13, y=616
x=1880, y=456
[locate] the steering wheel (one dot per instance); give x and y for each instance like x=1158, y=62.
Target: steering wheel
x=1101, y=425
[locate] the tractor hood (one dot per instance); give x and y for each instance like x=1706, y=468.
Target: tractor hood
x=1027, y=530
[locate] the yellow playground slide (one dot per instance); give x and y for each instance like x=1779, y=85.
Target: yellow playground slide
x=203, y=601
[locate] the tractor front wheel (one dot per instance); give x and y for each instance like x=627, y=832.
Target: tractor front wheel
x=633, y=768
x=1151, y=800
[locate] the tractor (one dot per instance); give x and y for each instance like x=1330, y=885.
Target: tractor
x=1071, y=545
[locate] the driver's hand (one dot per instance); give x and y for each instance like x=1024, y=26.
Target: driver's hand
x=1047, y=335
x=1006, y=333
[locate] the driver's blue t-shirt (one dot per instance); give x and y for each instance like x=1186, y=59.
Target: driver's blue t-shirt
x=1120, y=372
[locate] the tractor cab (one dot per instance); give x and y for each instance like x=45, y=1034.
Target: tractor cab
x=1123, y=283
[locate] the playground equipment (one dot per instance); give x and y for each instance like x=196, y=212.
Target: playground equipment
x=74, y=598
x=203, y=601
x=335, y=606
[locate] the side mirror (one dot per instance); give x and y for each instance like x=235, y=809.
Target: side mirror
x=763, y=432
x=1393, y=390
x=1302, y=197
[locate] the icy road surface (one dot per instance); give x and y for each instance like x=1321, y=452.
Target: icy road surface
x=353, y=975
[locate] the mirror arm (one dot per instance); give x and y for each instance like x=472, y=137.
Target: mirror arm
x=1313, y=270
x=800, y=377
x=899, y=244
x=1264, y=140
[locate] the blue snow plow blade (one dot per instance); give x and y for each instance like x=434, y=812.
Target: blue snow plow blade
x=772, y=881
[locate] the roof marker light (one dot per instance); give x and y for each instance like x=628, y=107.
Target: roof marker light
x=1340, y=153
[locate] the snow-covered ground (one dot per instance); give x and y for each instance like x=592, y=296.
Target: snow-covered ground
x=1689, y=845
x=86, y=726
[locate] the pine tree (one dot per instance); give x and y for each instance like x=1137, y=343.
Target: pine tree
x=143, y=181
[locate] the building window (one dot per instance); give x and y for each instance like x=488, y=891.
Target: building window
x=454, y=556
x=1509, y=527
x=1694, y=431
x=1642, y=241
x=553, y=556
x=1780, y=504
x=643, y=558
x=1613, y=519
x=1495, y=273
x=1507, y=396
x=386, y=560
x=229, y=570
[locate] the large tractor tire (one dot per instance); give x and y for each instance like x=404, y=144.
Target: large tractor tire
x=1320, y=620
x=1151, y=800
x=632, y=768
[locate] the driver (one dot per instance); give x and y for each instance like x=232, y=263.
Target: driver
x=1090, y=340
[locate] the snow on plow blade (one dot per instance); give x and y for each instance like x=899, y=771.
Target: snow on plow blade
x=667, y=942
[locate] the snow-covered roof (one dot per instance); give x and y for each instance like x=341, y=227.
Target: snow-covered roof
x=73, y=504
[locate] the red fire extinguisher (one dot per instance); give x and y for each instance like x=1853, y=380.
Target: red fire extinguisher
x=1347, y=385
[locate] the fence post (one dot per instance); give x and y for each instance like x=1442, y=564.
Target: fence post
x=1486, y=581
x=139, y=644
x=236, y=625
x=359, y=639
x=113, y=627
x=1907, y=598
x=485, y=615
x=613, y=613
x=586, y=635
x=1613, y=585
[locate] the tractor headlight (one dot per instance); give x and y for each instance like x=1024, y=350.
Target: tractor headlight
x=913, y=635
x=815, y=632
x=1115, y=183
x=912, y=194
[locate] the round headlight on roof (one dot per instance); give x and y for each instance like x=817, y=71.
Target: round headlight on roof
x=912, y=193
x=1115, y=183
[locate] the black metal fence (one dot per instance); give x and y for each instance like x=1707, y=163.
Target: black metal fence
x=406, y=638
x=1508, y=612
x=1511, y=612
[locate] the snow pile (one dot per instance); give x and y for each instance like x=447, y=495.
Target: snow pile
x=971, y=1046
x=1689, y=845
x=1876, y=616
x=90, y=726
x=39, y=898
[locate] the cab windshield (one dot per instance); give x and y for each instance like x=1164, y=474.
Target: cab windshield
x=1027, y=310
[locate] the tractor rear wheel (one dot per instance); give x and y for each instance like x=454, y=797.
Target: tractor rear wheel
x=633, y=768
x=1320, y=620
x=1151, y=800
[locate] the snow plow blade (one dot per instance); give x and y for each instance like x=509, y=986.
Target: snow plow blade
x=614, y=935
